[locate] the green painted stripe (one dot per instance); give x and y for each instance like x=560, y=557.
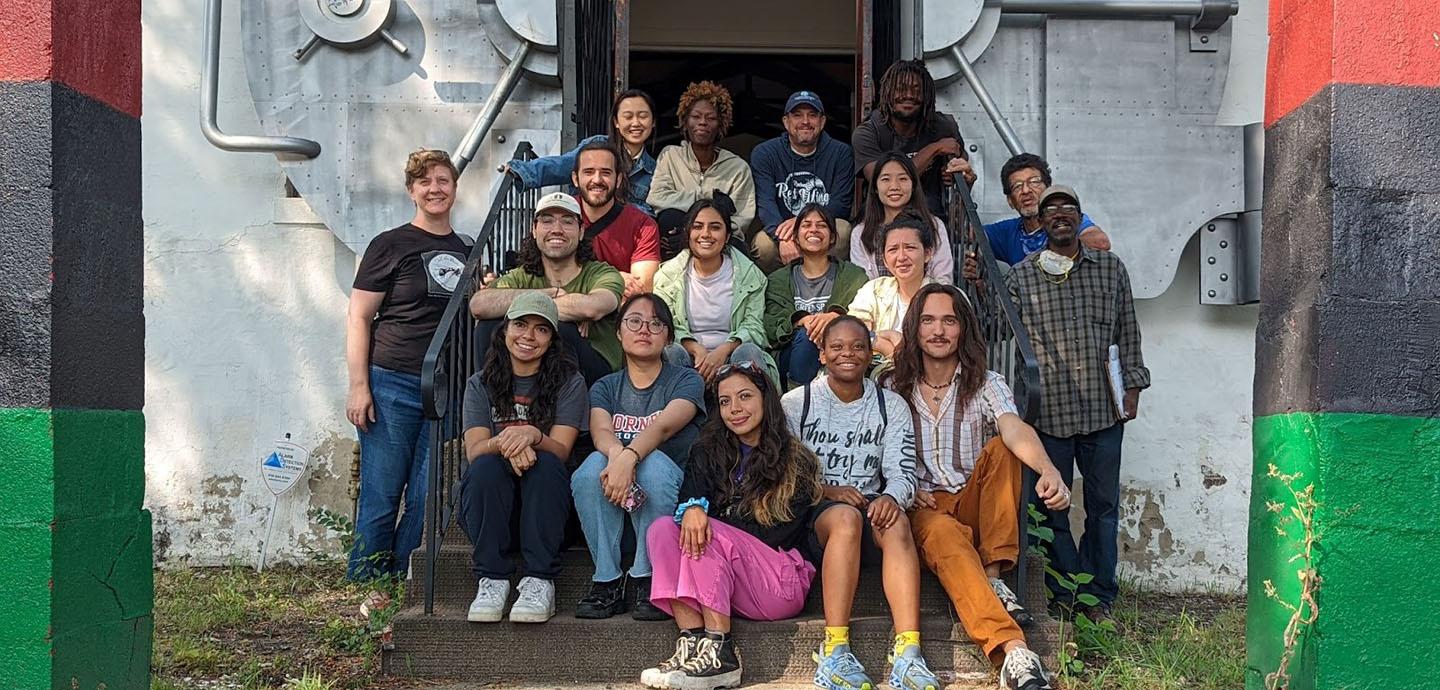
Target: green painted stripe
x=1377, y=480
x=99, y=462
x=27, y=490
x=27, y=496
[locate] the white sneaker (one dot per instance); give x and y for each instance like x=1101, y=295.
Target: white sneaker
x=1011, y=602
x=1022, y=670
x=489, y=604
x=536, y=603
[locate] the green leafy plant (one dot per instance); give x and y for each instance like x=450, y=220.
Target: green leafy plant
x=1306, y=610
x=1089, y=637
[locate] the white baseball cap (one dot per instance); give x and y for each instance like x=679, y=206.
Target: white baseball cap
x=559, y=200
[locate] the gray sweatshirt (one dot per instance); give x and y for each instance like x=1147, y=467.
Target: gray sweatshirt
x=855, y=446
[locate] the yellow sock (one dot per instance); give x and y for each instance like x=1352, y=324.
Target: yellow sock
x=906, y=639
x=834, y=637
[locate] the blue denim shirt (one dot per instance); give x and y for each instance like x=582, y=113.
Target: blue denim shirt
x=555, y=170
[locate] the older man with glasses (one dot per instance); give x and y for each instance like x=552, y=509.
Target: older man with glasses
x=1023, y=178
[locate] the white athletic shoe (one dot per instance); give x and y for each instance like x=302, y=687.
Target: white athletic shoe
x=1022, y=670
x=489, y=603
x=536, y=603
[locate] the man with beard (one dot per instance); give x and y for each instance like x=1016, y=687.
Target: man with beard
x=557, y=260
x=1023, y=178
x=1077, y=306
x=966, y=514
x=905, y=120
x=803, y=166
x=620, y=234
x=698, y=168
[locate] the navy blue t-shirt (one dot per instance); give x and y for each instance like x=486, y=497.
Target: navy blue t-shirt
x=1012, y=244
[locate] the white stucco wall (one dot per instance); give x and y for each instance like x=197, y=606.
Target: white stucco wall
x=245, y=301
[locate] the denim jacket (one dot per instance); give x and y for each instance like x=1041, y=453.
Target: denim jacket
x=555, y=170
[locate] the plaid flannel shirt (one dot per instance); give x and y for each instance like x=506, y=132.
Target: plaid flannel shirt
x=1072, y=324
x=949, y=446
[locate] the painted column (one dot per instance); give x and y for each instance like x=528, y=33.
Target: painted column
x=77, y=576
x=1347, y=381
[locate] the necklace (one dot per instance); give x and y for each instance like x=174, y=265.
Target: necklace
x=938, y=391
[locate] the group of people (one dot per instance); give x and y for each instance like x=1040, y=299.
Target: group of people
x=755, y=430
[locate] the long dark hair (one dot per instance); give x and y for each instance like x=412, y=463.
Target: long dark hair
x=779, y=468
x=615, y=139
x=530, y=258
x=872, y=238
x=902, y=71
x=557, y=367
x=816, y=209
x=725, y=211
x=910, y=360
x=662, y=312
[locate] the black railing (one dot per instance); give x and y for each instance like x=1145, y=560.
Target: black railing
x=1008, y=349
x=450, y=359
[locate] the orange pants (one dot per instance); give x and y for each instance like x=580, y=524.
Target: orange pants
x=969, y=530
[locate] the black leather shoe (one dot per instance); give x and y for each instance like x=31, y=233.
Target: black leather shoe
x=644, y=610
x=604, y=600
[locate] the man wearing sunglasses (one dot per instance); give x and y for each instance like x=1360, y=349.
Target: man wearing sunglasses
x=1077, y=306
x=1023, y=178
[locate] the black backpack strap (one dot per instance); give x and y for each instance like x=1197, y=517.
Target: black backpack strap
x=805, y=410
x=884, y=415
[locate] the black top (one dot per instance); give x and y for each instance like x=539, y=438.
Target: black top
x=780, y=536
x=417, y=271
x=874, y=138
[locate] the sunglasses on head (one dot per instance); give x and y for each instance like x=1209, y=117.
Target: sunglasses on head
x=745, y=365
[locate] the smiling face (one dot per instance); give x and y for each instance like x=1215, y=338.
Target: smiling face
x=641, y=343
x=804, y=125
x=894, y=186
x=905, y=253
x=702, y=123
x=906, y=102
x=940, y=330
x=742, y=406
x=557, y=232
x=813, y=234
x=1060, y=216
x=527, y=338
x=634, y=121
x=595, y=177
x=707, y=234
x=434, y=192
x=846, y=351
x=1023, y=190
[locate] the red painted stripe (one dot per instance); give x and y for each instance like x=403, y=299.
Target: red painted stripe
x=1318, y=42
x=91, y=46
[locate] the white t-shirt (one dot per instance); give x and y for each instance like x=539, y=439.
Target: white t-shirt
x=710, y=301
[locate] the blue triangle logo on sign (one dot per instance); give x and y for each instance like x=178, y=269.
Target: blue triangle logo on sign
x=274, y=461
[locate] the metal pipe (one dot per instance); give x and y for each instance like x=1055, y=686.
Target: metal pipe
x=1007, y=133
x=210, y=103
x=465, y=152
x=1192, y=8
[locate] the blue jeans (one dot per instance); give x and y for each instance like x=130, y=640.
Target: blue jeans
x=604, y=521
x=800, y=360
x=676, y=354
x=393, y=462
x=1098, y=456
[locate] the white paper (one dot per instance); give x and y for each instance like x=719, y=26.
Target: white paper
x=1117, y=382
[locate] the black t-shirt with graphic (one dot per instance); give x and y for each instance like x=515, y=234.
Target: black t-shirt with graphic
x=417, y=271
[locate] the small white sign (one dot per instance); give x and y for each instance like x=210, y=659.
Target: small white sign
x=283, y=467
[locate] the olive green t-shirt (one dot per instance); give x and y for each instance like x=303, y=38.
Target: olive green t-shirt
x=594, y=274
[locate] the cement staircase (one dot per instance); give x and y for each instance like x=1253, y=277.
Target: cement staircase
x=568, y=650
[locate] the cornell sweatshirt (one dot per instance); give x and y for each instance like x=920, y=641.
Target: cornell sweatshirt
x=785, y=181
x=856, y=446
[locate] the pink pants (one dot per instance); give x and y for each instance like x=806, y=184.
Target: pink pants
x=737, y=571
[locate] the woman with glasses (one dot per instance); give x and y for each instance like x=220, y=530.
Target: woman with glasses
x=400, y=291
x=718, y=296
x=734, y=546
x=890, y=193
x=522, y=413
x=643, y=420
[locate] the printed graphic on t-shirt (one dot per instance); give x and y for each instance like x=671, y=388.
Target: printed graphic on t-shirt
x=799, y=188
x=518, y=414
x=628, y=426
x=442, y=271
x=846, y=452
x=811, y=305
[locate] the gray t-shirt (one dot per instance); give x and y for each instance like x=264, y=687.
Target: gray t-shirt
x=855, y=445
x=632, y=409
x=812, y=294
x=570, y=406
x=710, y=301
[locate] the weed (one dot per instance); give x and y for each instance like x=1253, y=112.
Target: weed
x=1305, y=611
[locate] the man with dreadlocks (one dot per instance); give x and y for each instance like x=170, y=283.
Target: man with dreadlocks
x=698, y=168
x=905, y=120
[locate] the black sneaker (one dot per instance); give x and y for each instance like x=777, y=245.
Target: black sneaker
x=661, y=675
x=714, y=665
x=644, y=610
x=604, y=600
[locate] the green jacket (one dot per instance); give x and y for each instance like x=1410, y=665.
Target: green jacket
x=780, y=313
x=747, y=311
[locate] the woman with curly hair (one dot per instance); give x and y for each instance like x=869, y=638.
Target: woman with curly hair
x=522, y=413
x=735, y=544
x=698, y=168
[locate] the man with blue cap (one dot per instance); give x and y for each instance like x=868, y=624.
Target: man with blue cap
x=804, y=165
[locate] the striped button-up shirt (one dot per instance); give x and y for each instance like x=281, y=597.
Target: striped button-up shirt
x=949, y=447
x=1073, y=320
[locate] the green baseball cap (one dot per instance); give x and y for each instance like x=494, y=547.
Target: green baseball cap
x=533, y=302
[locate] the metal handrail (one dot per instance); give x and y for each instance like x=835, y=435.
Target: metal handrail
x=1008, y=348
x=450, y=360
x=210, y=107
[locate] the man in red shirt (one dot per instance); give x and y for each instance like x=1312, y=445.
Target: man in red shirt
x=620, y=234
